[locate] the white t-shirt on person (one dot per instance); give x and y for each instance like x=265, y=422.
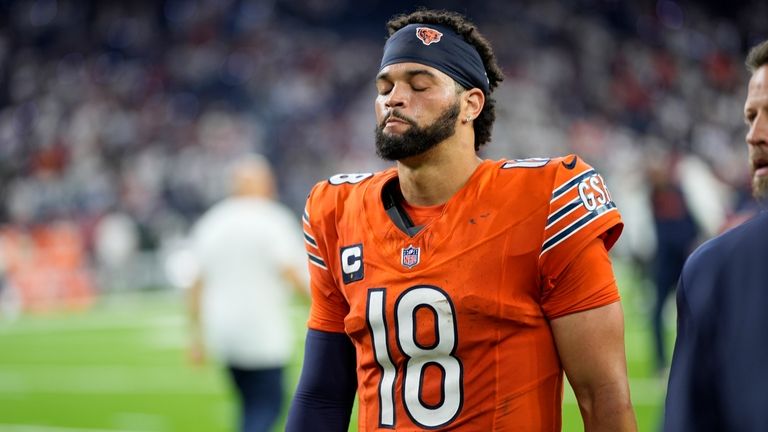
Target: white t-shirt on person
x=242, y=245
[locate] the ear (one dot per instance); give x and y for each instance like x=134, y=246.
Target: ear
x=473, y=103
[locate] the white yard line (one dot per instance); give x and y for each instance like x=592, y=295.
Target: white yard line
x=41, y=428
x=99, y=324
x=120, y=320
x=105, y=380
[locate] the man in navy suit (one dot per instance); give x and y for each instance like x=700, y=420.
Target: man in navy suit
x=719, y=376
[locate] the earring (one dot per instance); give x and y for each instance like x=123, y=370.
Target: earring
x=467, y=120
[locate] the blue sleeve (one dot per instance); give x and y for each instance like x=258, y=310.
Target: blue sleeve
x=326, y=391
x=692, y=399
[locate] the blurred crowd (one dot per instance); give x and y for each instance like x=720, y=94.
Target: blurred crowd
x=118, y=118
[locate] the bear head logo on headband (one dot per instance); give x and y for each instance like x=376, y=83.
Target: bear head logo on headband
x=427, y=35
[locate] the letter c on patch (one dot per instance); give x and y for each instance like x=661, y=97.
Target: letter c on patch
x=352, y=263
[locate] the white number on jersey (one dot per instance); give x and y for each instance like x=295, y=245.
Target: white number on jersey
x=353, y=178
x=418, y=357
x=526, y=163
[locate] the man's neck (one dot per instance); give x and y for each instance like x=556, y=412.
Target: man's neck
x=434, y=177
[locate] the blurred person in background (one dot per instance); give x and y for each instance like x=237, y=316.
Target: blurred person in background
x=249, y=251
x=688, y=202
x=450, y=291
x=676, y=232
x=115, y=247
x=718, y=377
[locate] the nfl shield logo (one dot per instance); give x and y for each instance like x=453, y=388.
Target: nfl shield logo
x=410, y=256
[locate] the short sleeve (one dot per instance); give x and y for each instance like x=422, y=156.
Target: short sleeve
x=587, y=283
x=580, y=210
x=329, y=307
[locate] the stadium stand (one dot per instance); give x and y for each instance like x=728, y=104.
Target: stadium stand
x=129, y=110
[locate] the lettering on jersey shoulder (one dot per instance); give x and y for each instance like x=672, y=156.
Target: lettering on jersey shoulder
x=575, y=204
x=352, y=263
x=526, y=163
x=411, y=256
x=353, y=178
x=594, y=193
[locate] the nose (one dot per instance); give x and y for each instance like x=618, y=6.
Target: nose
x=758, y=130
x=397, y=97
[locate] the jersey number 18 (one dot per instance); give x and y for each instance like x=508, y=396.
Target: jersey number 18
x=418, y=357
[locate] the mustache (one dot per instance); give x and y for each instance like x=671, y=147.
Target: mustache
x=758, y=159
x=398, y=115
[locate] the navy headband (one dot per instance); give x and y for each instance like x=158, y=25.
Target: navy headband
x=439, y=47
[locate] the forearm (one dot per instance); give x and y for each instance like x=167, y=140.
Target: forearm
x=308, y=413
x=194, y=299
x=591, y=348
x=325, y=394
x=607, y=409
x=297, y=280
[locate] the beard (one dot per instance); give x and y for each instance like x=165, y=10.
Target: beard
x=760, y=188
x=416, y=140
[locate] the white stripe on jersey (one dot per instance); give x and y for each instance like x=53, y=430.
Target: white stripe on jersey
x=316, y=260
x=574, y=205
x=576, y=226
x=570, y=184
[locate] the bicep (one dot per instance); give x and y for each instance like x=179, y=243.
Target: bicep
x=329, y=306
x=591, y=349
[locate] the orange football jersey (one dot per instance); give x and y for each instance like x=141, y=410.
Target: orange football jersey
x=451, y=324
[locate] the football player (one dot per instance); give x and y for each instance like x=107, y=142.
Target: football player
x=450, y=292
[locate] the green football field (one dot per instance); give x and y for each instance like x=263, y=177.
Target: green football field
x=121, y=367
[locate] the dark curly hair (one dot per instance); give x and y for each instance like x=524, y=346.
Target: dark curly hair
x=461, y=25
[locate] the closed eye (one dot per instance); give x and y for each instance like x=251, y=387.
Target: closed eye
x=749, y=117
x=383, y=89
